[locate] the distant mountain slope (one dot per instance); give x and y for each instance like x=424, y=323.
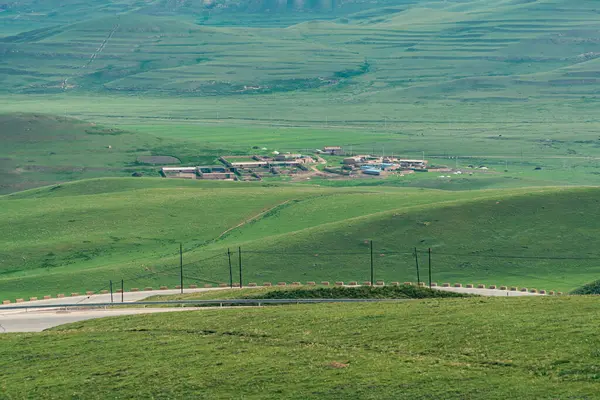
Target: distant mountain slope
x=469, y=50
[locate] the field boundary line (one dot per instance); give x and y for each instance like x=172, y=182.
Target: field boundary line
x=252, y=218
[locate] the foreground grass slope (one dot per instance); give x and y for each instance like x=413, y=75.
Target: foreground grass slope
x=543, y=348
x=78, y=236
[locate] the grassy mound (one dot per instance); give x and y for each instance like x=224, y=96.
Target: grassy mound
x=361, y=292
x=472, y=348
x=589, y=288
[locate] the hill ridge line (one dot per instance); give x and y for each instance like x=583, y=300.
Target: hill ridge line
x=445, y=203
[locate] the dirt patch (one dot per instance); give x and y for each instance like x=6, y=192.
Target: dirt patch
x=338, y=365
x=96, y=130
x=159, y=160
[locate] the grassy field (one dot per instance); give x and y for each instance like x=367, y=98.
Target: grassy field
x=543, y=348
x=41, y=149
x=78, y=236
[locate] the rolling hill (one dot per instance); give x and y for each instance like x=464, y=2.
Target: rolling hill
x=100, y=230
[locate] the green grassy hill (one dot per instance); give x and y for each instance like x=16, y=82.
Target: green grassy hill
x=78, y=236
x=42, y=149
x=468, y=51
x=543, y=348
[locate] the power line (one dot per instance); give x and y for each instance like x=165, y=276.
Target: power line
x=519, y=257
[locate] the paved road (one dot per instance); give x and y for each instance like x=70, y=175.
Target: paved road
x=137, y=296
x=37, y=321
x=105, y=298
x=488, y=292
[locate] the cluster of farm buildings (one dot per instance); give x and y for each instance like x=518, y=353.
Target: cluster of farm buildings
x=255, y=167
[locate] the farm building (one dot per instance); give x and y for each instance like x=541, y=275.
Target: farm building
x=353, y=160
x=418, y=164
x=284, y=160
x=215, y=172
x=244, y=162
x=223, y=176
x=305, y=160
x=178, y=172
x=249, y=164
x=178, y=169
x=333, y=150
x=285, y=157
x=213, y=169
x=372, y=171
x=212, y=172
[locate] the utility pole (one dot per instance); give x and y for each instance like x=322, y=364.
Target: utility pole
x=230, y=270
x=372, y=269
x=417, y=264
x=122, y=290
x=240, y=260
x=430, y=267
x=111, y=292
x=181, y=266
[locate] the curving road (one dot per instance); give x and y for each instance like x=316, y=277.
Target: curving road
x=36, y=320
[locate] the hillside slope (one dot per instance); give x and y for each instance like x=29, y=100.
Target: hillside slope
x=470, y=50
x=40, y=149
x=96, y=231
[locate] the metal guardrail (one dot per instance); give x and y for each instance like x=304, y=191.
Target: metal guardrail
x=219, y=302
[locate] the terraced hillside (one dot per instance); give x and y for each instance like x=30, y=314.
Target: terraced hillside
x=470, y=51
x=98, y=230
